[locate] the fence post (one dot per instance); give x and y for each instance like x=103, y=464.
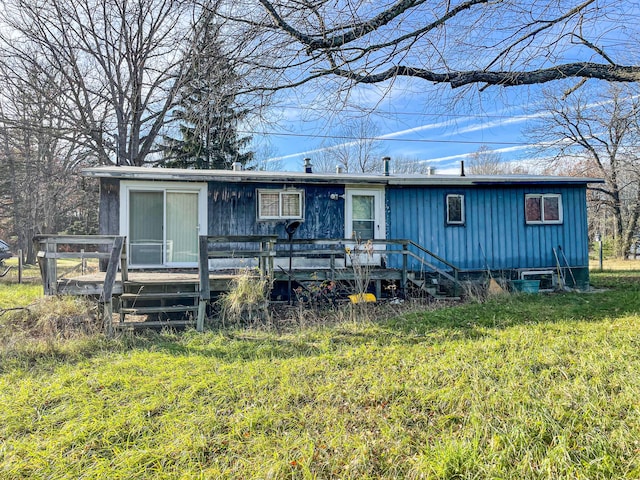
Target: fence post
x=600, y=255
x=51, y=282
x=20, y=265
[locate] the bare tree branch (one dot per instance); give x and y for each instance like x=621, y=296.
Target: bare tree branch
x=598, y=134
x=121, y=61
x=459, y=43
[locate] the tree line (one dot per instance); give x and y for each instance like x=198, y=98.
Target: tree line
x=171, y=83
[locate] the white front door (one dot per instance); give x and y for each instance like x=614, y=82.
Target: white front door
x=365, y=220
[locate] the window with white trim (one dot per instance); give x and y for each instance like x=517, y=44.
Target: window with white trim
x=280, y=204
x=455, y=209
x=543, y=208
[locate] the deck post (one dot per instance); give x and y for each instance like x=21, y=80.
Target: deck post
x=272, y=255
x=107, y=317
x=109, y=280
x=264, y=252
x=405, y=266
x=203, y=273
x=51, y=280
x=332, y=265
x=124, y=268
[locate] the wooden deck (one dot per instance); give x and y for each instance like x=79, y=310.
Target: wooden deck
x=93, y=284
x=166, y=294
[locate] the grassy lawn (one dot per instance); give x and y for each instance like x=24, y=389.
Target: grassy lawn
x=540, y=386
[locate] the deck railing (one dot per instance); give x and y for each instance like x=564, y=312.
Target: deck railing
x=271, y=247
x=264, y=248
x=336, y=249
x=103, y=247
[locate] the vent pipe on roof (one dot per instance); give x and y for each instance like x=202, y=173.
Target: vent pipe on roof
x=236, y=166
x=339, y=169
x=431, y=171
x=462, y=168
x=308, y=168
x=386, y=161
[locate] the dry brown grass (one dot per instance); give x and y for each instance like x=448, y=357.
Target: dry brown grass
x=50, y=319
x=614, y=264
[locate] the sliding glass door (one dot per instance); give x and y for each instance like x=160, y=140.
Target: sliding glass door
x=163, y=227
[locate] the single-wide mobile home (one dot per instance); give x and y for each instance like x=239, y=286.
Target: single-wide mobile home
x=512, y=225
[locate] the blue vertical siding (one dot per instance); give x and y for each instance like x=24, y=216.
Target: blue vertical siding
x=494, y=216
x=495, y=224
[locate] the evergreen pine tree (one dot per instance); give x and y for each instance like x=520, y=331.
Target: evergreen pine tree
x=207, y=114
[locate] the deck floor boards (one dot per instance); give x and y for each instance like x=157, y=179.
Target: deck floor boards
x=91, y=284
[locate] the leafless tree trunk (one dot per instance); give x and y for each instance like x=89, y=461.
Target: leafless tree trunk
x=38, y=168
x=597, y=134
x=120, y=62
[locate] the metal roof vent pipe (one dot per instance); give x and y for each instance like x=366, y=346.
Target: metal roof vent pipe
x=386, y=161
x=308, y=168
x=462, y=168
x=339, y=169
x=431, y=171
x=236, y=166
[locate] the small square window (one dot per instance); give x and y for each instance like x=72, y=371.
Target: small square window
x=280, y=204
x=543, y=208
x=455, y=209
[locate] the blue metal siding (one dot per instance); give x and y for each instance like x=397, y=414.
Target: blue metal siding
x=495, y=224
x=232, y=210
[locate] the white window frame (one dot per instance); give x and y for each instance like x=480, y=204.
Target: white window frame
x=127, y=186
x=462, y=209
x=542, y=221
x=281, y=192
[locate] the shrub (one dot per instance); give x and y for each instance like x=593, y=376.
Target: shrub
x=247, y=302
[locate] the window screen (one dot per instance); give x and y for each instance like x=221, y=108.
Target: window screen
x=277, y=204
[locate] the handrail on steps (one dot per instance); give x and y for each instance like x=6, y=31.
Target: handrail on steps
x=48, y=255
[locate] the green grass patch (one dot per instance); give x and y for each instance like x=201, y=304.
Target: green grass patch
x=14, y=295
x=526, y=386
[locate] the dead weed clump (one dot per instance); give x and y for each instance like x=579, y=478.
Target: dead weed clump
x=53, y=318
x=247, y=302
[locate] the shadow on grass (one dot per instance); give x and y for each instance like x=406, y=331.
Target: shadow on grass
x=456, y=323
x=428, y=327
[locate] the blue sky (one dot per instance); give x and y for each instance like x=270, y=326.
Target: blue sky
x=427, y=124
x=434, y=124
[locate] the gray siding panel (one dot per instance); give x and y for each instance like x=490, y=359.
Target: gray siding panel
x=109, y=212
x=233, y=211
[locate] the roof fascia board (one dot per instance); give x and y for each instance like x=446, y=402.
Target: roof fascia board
x=253, y=176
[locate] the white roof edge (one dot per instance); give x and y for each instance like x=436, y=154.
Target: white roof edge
x=145, y=173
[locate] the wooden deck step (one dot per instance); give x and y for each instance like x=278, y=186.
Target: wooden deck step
x=158, y=295
x=154, y=324
x=145, y=310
